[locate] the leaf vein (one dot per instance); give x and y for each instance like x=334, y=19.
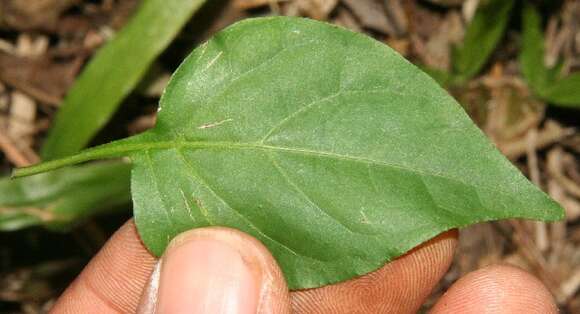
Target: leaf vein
x=238, y=213
x=311, y=105
x=303, y=194
x=253, y=69
x=154, y=177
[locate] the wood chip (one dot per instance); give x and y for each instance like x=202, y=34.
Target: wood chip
x=42, y=78
x=371, y=14
x=401, y=45
x=437, y=51
x=22, y=116
x=397, y=17
x=29, y=15
x=27, y=46
x=569, y=287
x=345, y=18
x=316, y=9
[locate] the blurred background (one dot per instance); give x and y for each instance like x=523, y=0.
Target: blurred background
x=512, y=64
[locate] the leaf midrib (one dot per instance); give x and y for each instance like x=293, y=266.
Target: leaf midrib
x=121, y=149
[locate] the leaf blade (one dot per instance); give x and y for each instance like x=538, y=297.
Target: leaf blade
x=482, y=36
x=231, y=180
x=564, y=92
x=326, y=145
x=543, y=81
x=532, y=54
x=61, y=199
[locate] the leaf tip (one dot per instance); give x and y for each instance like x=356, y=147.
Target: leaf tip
x=554, y=211
x=560, y=213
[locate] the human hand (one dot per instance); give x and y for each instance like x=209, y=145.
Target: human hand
x=220, y=270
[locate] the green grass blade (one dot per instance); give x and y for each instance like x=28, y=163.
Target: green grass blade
x=59, y=199
x=531, y=57
x=442, y=77
x=114, y=72
x=564, y=92
x=482, y=36
x=543, y=81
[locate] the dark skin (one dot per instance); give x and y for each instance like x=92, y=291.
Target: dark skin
x=118, y=277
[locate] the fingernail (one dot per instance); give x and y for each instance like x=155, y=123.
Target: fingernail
x=149, y=297
x=205, y=275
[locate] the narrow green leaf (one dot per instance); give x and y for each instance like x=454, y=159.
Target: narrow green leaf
x=543, y=81
x=532, y=53
x=564, y=92
x=482, y=36
x=328, y=146
x=555, y=73
x=62, y=198
x=114, y=72
x=442, y=77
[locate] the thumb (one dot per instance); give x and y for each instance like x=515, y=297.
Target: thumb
x=216, y=270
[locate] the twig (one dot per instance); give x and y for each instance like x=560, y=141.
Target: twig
x=555, y=157
x=533, y=256
x=540, y=230
x=13, y=154
x=558, y=193
x=569, y=287
x=551, y=134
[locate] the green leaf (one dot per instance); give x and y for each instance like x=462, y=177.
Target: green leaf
x=482, y=36
x=555, y=73
x=62, y=198
x=532, y=53
x=326, y=145
x=564, y=92
x=543, y=81
x=442, y=77
x=114, y=72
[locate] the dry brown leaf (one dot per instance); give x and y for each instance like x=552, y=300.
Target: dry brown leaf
x=438, y=47
x=42, y=78
x=32, y=15
x=317, y=9
x=371, y=14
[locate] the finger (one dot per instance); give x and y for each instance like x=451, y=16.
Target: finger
x=398, y=287
x=217, y=270
x=497, y=289
x=114, y=279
